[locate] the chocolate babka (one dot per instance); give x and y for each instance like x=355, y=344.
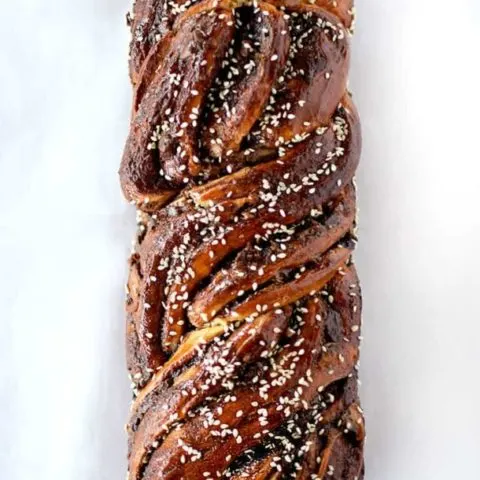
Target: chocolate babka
x=243, y=303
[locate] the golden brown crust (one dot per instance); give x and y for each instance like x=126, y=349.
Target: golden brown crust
x=243, y=305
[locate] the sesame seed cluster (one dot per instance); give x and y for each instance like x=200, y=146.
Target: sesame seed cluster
x=243, y=302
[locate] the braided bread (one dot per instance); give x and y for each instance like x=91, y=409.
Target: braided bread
x=243, y=304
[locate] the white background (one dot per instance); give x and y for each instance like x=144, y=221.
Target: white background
x=65, y=233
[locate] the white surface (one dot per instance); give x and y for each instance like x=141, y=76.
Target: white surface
x=65, y=231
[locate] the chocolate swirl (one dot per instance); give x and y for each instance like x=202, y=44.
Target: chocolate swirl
x=243, y=304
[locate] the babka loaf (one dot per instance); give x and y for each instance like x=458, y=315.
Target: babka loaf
x=243, y=303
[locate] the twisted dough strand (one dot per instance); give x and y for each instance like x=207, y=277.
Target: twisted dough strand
x=243, y=305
